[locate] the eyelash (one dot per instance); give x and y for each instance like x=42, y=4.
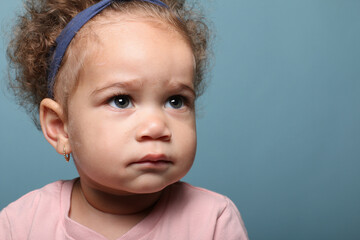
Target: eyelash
x=185, y=99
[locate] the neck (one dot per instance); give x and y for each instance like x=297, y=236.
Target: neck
x=124, y=204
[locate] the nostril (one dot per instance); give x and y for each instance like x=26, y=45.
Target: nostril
x=165, y=138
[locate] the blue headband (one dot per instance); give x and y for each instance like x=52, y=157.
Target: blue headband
x=69, y=32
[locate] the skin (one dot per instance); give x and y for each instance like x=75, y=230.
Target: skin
x=127, y=154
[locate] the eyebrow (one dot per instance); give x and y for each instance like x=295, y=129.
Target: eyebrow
x=178, y=86
x=122, y=85
x=174, y=85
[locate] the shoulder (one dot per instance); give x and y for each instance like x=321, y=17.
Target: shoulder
x=199, y=196
x=40, y=205
x=31, y=199
x=189, y=206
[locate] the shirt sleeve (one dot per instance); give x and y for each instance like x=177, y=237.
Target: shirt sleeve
x=230, y=225
x=5, y=231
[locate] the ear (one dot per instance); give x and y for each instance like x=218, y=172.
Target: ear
x=53, y=125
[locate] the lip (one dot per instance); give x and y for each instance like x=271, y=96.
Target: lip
x=153, y=161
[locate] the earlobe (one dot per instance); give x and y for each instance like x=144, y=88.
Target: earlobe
x=53, y=125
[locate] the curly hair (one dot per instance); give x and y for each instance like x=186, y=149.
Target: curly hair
x=35, y=33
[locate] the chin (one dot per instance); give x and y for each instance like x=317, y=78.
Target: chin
x=152, y=186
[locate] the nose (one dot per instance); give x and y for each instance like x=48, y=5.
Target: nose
x=153, y=127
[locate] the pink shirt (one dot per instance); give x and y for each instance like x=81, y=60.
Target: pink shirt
x=183, y=212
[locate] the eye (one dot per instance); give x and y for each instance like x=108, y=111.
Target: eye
x=175, y=102
x=120, y=101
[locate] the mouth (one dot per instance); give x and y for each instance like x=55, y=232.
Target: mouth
x=153, y=161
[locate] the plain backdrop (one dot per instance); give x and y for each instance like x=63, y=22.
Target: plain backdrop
x=278, y=128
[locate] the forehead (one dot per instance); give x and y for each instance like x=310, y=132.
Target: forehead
x=124, y=47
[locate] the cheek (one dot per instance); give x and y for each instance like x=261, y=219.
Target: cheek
x=87, y=137
x=191, y=145
x=97, y=151
x=99, y=136
x=84, y=137
x=187, y=139
x=187, y=152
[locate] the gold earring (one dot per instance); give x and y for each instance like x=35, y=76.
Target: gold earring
x=66, y=156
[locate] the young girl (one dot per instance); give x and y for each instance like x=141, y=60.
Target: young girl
x=115, y=83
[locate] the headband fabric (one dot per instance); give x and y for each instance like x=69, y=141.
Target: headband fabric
x=69, y=32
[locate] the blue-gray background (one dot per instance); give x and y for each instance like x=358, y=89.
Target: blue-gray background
x=279, y=127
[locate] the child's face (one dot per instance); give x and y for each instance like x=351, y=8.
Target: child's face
x=131, y=119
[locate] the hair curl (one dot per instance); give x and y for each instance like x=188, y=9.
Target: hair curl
x=36, y=30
